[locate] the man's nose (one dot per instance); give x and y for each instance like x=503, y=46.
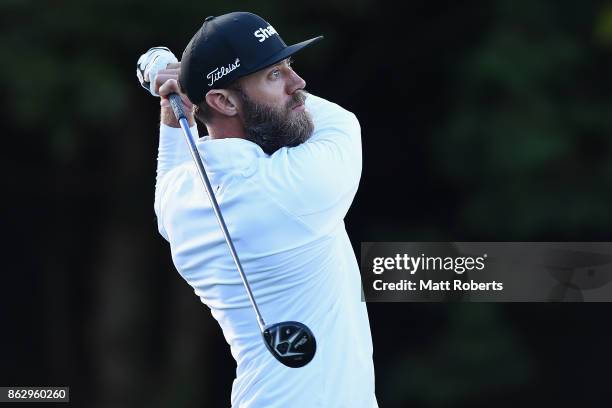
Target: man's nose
x=295, y=83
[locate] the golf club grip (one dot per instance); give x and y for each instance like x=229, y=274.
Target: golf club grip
x=177, y=106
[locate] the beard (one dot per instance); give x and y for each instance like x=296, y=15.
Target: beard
x=273, y=127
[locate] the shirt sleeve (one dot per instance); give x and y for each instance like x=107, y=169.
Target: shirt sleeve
x=173, y=151
x=317, y=180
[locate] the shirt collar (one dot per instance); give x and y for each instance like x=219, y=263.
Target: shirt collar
x=228, y=154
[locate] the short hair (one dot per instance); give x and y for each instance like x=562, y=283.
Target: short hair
x=202, y=112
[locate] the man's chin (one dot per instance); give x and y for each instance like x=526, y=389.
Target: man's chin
x=274, y=131
x=306, y=127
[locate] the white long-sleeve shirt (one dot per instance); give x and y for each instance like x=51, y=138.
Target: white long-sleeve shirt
x=285, y=215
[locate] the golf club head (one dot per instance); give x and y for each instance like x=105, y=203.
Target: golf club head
x=291, y=343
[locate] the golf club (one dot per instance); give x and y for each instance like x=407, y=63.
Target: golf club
x=292, y=343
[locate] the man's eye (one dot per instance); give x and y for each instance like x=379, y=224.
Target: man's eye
x=275, y=74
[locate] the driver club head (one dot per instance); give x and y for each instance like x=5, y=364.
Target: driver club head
x=291, y=343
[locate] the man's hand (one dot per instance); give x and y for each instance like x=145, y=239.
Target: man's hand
x=166, y=83
x=157, y=71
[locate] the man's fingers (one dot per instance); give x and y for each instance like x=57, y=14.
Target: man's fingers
x=165, y=103
x=174, y=65
x=175, y=71
x=164, y=74
x=186, y=102
x=163, y=79
x=168, y=85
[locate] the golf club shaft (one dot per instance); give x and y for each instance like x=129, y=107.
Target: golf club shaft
x=177, y=107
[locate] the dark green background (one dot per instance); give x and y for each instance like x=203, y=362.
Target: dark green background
x=481, y=120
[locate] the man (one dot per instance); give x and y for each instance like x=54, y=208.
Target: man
x=285, y=167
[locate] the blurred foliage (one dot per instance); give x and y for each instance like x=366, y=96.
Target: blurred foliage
x=478, y=355
x=529, y=136
x=603, y=27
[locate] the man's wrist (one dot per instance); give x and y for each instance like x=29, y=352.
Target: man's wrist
x=168, y=118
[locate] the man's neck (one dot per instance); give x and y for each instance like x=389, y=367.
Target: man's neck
x=225, y=130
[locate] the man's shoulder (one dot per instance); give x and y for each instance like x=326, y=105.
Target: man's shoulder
x=325, y=112
x=314, y=102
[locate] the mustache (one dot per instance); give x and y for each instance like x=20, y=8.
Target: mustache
x=298, y=98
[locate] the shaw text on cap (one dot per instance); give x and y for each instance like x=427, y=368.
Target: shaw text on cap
x=264, y=33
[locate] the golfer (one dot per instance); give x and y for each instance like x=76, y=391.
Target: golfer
x=284, y=166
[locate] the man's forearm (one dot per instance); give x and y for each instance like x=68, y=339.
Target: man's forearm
x=172, y=152
x=168, y=118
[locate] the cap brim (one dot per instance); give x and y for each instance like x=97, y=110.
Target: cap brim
x=285, y=53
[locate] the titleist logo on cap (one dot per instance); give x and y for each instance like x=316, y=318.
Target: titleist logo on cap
x=219, y=72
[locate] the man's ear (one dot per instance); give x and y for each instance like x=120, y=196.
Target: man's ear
x=222, y=101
